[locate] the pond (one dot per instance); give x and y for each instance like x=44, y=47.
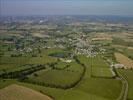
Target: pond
x=60, y=54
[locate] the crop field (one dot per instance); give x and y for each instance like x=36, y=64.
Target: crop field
x=128, y=63
x=26, y=60
x=100, y=68
x=89, y=83
x=89, y=87
x=103, y=42
x=75, y=67
x=98, y=62
x=16, y=92
x=8, y=67
x=14, y=68
x=102, y=39
x=14, y=60
x=128, y=74
x=61, y=65
x=55, y=77
x=50, y=51
x=15, y=63
x=66, y=57
x=127, y=51
x=42, y=60
x=102, y=72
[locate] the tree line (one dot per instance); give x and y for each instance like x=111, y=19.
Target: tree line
x=68, y=86
x=21, y=74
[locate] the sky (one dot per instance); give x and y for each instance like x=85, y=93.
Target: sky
x=66, y=7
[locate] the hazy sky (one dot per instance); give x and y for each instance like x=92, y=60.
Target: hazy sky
x=66, y=7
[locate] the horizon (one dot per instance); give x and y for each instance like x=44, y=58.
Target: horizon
x=67, y=7
x=101, y=16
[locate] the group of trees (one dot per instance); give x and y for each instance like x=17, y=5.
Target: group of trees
x=21, y=74
x=83, y=65
x=61, y=68
x=53, y=85
x=62, y=86
x=16, y=55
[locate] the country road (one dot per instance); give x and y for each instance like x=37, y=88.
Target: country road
x=124, y=91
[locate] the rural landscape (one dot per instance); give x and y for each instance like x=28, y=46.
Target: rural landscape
x=66, y=58
x=66, y=50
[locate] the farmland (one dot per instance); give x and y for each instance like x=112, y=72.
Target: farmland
x=65, y=58
x=100, y=68
x=54, y=78
x=86, y=88
x=16, y=92
x=127, y=51
x=128, y=63
x=128, y=75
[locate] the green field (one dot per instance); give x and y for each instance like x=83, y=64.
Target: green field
x=61, y=65
x=66, y=57
x=95, y=85
x=128, y=74
x=102, y=72
x=75, y=67
x=99, y=67
x=98, y=62
x=88, y=88
x=57, y=78
x=13, y=67
x=15, y=63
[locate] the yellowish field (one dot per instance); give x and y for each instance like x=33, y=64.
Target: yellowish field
x=16, y=92
x=102, y=36
x=128, y=63
x=39, y=35
x=121, y=46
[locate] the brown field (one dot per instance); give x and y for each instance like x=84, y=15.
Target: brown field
x=128, y=63
x=128, y=34
x=121, y=46
x=102, y=36
x=40, y=35
x=16, y=92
